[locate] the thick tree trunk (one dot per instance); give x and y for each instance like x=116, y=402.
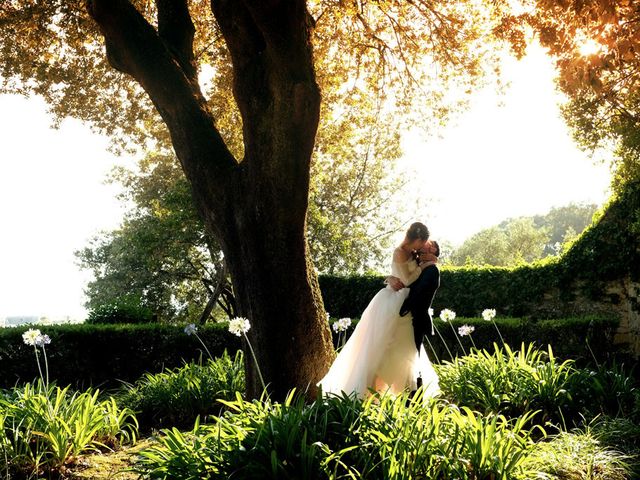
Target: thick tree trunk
x=256, y=208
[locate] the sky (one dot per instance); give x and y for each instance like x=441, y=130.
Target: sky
x=493, y=163
x=498, y=162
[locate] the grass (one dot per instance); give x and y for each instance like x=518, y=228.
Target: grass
x=110, y=465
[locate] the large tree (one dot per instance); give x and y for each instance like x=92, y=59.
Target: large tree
x=252, y=199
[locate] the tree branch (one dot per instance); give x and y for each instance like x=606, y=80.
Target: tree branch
x=134, y=47
x=176, y=29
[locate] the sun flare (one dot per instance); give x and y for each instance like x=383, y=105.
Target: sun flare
x=589, y=47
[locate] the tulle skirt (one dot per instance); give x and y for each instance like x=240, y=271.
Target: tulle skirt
x=381, y=354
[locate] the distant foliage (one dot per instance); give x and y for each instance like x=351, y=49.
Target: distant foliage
x=524, y=239
x=126, y=310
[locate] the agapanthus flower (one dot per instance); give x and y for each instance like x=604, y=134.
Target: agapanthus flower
x=190, y=329
x=239, y=325
x=341, y=325
x=43, y=340
x=488, y=314
x=430, y=312
x=465, y=330
x=447, y=315
x=30, y=337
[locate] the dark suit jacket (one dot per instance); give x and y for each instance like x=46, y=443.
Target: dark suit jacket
x=421, y=293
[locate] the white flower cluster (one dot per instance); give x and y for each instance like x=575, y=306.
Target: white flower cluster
x=447, y=315
x=465, y=330
x=489, y=314
x=190, y=329
x=34, y=338
x=341, y=325
x=239, y=325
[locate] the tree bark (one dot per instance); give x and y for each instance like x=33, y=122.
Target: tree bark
x=256, y=208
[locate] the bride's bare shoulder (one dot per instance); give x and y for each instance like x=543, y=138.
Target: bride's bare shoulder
x=400, y=255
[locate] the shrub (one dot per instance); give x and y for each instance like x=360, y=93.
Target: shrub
x=545, y=290
x=125, y=310
x=175, y=397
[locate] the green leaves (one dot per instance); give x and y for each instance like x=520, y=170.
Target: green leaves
x=175, y=397
x=49, y=427
x=341, y=437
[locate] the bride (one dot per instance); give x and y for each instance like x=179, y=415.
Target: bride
x=381, y=353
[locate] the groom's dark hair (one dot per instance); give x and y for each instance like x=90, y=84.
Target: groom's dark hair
x=435, y=244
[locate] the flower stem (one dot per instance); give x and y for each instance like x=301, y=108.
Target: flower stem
x=445, y=343
x=494, y=324
x=457, y=338
x=205, y=347
x=264, y=387
x=432, y=349
x=46, y=364
x=35, y=349
x=472, y=342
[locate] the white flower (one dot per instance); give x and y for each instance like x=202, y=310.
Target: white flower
x=190, y=329
x=342, y=324
x=30, y=337
x=465, y=330
x=239, y=325
x=447, y=315
x=328, y=316
x=488, y=314
x=43, y=340
x=430, y=312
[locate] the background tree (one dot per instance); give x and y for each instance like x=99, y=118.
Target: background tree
x=161, y=254
x=254, y=202
x=525, y=239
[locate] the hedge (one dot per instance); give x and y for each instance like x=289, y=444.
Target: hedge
x=578, y=338
x=608, y=250
x=102, y=355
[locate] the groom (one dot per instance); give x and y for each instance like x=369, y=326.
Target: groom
x=421, y=293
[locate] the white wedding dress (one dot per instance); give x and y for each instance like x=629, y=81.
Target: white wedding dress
x=381, y=353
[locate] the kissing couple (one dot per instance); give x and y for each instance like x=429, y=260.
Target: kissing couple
x=385, y=351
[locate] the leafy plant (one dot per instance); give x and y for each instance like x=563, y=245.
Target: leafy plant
x=45, y=427
x=578, y=455
x=510, y=382
x=343, y=437
x=176, y=397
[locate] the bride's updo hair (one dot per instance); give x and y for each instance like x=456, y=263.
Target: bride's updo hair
x=417, y=231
